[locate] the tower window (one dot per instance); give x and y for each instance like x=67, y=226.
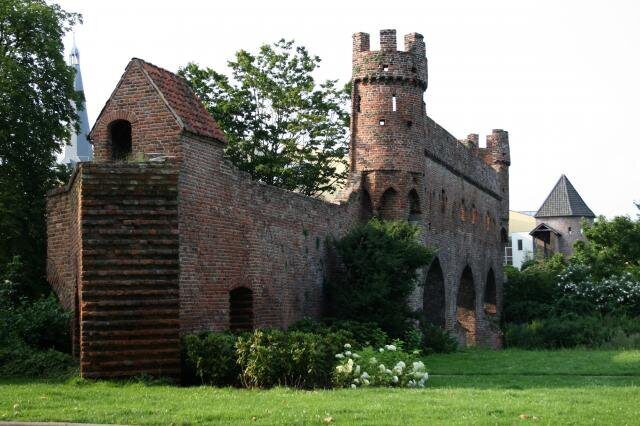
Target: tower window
x=382, y=122
x=570, y=231
x=385, y=68
x=120, y=139
x=394, y=105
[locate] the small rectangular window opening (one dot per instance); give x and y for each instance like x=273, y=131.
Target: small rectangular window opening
x=519, y=245
x=394, y=105
x=382, y=122
x=570, y=231
x=385, y=68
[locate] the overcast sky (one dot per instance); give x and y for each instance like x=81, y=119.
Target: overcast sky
x=563, y=77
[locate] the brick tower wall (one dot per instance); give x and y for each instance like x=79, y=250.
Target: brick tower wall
x=235, y=232
x=113, y=259
x=414, y=169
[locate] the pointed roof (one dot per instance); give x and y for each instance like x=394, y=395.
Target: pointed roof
x=543, y=227
x=181, y=100
x=564, y=200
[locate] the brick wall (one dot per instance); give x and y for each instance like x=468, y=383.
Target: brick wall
x=135, y=99
x=235, y=232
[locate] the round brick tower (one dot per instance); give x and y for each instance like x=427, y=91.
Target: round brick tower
x=388, y=122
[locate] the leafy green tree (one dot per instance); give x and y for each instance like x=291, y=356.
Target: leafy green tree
x=612, y=246
x=36, y=116
x=379, y=270
x=283, y=128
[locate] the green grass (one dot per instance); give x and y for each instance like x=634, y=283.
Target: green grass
x=471, y=387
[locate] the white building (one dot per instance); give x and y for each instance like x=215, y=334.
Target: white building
x=519, y=246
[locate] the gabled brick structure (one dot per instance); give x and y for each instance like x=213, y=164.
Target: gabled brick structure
x=162, y=236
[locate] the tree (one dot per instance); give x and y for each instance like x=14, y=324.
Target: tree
x=612, y=246
x=37, y=115
x=379, y=271
x=282, y=127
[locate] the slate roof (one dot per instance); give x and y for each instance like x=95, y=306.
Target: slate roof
x=564, y=200
x=183, y=102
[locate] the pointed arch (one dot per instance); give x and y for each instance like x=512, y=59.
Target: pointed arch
x=366, y=206
x=415, y=211
x=241, y=309
x=466, y=306
x=433, y=302
x=490, y=294
x=389, y=204
x=504, y=237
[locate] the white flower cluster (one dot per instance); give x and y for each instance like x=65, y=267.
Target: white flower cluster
x=607, y=295
x=350, y=373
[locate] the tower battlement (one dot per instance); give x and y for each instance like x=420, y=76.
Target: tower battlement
x=389, y=63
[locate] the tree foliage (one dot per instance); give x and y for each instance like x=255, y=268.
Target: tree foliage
x=379, y=270
x=36, y=116
x=612, y=247
x=283, y=128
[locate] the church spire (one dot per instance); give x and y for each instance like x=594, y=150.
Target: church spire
x=79, y=148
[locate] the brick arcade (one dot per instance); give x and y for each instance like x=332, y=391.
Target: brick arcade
x=181, y=241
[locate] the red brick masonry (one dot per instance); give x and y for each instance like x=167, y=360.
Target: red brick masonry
x=147, y=248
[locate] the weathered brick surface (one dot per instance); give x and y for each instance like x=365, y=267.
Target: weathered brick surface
x=146, y=251
x=462, y=189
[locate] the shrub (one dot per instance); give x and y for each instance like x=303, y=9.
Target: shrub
x=272, y=357
x=20, y=360
x=616, y=295
x=360, y=334
x=210, y=358
x=379, y=262
x=436, y=340
x=387, y=366
x=571, y=331
x=530, y=294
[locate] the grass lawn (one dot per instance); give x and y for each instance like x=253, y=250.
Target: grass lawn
x=470, y=387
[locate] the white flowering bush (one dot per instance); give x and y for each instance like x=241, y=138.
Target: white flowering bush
x=616, y=294
x=386, y=366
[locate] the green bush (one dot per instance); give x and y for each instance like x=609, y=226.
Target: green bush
x=436, y=340
x=379, y=263
x=360, y=334
x=210, y=358
x=571, y=330
x=19, y=360
x=272, y=357
x=530, y=294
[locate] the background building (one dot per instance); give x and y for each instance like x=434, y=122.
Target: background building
x=559, y=220
x=519, y=248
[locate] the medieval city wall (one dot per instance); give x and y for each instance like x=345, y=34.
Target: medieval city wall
x=235, y=232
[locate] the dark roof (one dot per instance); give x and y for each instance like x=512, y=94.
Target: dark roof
x=183, y=102
x=543, y=227
x=564, y=200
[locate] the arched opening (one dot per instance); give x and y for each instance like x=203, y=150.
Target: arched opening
x=490, y=294
x=414, y=206
x=443, y=201
x=120, y=139
x=433, y=304
x=466, y=306
x=474, y=214
x=389, y=205
x=366, y=206
x=241, y=309
x=463, y=212
x=504, y=237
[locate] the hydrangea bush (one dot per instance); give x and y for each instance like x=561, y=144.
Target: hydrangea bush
x=387, y=366
x=618, y=294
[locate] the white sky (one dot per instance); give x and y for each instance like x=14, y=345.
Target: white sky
x=563, y=77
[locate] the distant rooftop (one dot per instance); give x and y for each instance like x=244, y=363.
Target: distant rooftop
x=564, y=200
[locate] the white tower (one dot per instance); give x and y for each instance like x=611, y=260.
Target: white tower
x=79, y=149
